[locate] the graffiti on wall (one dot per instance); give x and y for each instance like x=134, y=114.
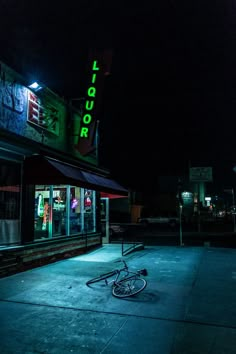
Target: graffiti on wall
x=24, y=113
x=13, y=103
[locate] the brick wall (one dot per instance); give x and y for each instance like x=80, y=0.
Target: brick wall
x=26, y=257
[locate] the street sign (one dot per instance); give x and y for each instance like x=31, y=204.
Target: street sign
x=187, y=199
x=200, y=174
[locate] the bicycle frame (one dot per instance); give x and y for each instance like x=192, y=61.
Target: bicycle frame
x=125, y=283
x=128, y=275
x=118, y=275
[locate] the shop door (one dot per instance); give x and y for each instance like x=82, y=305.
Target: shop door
x=105, y=219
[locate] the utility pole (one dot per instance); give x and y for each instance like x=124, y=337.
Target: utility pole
x=231, y=191
x=233, y=210
x=180, y=225
x=180, y=201
x=198, y=208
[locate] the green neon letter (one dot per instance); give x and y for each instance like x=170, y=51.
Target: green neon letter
x=91, y=92
x=95, y=65
x=89, y=105
x=94, y=76
x=87, y=118
x=84, y=132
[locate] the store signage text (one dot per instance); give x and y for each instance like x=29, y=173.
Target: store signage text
x=89, y=104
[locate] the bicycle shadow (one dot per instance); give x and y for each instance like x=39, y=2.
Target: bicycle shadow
x=143, y=297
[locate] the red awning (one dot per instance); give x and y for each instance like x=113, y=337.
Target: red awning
x=15, y=189
x=112, y=196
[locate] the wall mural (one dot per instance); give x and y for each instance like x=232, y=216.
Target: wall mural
x=13, y=104
x=22, y=112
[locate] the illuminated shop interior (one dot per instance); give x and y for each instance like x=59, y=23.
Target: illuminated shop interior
x=63, y=210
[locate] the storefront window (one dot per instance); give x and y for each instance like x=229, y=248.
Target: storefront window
x=76, y=207
x=59, y=210
x=89, y=211
x=42, y=212
x=10, y=194
x=62, y=210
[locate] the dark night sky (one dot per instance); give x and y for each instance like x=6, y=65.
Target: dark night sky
x=171, y=97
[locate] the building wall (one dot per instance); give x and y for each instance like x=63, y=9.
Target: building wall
x=38, y=123
x=41, y=116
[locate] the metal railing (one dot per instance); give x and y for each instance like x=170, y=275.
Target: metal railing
x=135, y=245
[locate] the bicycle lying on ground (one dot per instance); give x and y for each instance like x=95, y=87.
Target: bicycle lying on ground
x=125, y=283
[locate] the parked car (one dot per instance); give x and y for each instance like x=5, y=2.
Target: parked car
x=116, y=230
x=170, y=220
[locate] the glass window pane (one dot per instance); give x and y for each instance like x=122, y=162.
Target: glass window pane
x=62, y=210
x=59, y=210
x=10, y=193
x=75, y=210
x=41, y=212
x=89, y=211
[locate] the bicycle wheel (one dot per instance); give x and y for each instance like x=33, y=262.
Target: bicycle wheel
x=129, y=287
x=101, y=277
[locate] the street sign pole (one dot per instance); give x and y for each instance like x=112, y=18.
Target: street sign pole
x=179, y=196
x=180, y=225
x=199, y=211
x=233, y=210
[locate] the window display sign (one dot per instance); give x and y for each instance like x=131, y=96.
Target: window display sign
x=46, y=116
x=87, y=200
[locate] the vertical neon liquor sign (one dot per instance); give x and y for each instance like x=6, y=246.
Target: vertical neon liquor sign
x=86, y=143
x=99, y=67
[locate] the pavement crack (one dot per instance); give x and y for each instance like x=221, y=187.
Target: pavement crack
x=194, y=283
x=114, y=334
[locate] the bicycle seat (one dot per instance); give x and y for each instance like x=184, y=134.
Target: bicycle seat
x=143, y=272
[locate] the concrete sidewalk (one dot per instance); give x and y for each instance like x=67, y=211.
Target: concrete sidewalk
x=188, y=306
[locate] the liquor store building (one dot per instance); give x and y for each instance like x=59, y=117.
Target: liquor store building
x=50, y=181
